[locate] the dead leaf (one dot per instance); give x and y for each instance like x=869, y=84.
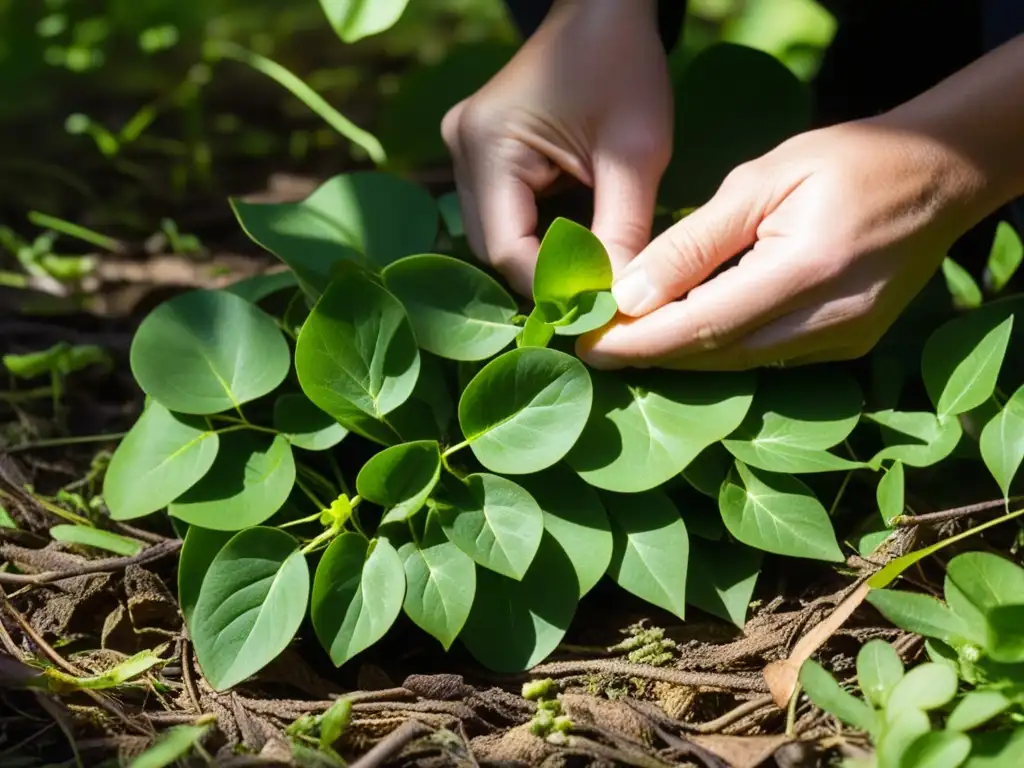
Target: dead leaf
x=741, y=751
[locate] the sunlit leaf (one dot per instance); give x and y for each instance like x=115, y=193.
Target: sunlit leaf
x=965, y=292
x=95, y=537
x=826, y=693
x=197, y=552
x=355, y=19
x=1002, y=442
x=917, y=439
x=879, y=668
x=889, y=493
x=171, y=747
x=1004, y=258
x=919, y=613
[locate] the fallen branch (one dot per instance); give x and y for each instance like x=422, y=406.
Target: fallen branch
x=661, y=674
x=148, y=555
x=930, y=518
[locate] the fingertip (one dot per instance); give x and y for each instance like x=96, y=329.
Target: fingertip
x=634, y=292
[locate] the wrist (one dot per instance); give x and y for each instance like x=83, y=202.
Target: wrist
x=606, y=11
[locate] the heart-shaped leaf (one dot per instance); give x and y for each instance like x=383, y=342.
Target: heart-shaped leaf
x=85, y=535
x=250, y=481
x=917, y=439
x=651, y=548
x=401, y=478
x=879, y=668
x=721, y=578
x=357, y=353
x=645, y=428
x=355, y=19
x=786, y=431
x=441, y=583
x=961, y=361
x=575, y=517
x=357, y=594
x=251, y=603
x=349, y=217
x=826, y=693
x=1002, y=442
x=777, y=513
x=197, y=552
x=525, y=409
x=457, y=311
x=494, y=521
x=530, y=616
x=208, y=351
x=162, y=456
x=304, y=425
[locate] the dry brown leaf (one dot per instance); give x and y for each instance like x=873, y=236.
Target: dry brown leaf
x=741, y=751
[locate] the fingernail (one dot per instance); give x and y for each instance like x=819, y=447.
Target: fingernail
x=634, y=293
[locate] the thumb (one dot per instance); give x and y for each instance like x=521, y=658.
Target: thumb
x=684, y=255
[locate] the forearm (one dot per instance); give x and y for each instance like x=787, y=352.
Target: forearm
x=979, y=114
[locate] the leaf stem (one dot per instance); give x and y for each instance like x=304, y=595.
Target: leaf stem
x=354, y=503
x=74, y=230
x=291, y=523
x=454, y=449
x=325, y=536
x=61, y=441
x=840, y=492
x=244, y=423
x=310, y=495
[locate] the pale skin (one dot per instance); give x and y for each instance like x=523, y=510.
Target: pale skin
x=844, y=224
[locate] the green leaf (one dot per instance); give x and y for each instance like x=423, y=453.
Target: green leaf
x=162, y=456
x=575, y=517
x=1002, y=442
x=258, y=287
x=939, y=749
x=965, y=292
x=94, y=537
x=427, y=414
x=709, y=470
x=732, y=104
x=529, y=616
x=889, y=493
x=355, y=19
x=721, y=578
x=918, y=613
x=976, y=708
x=927, y=686
x=537, y=332
x=449, y=207
x=572, y=264
x=826, y=693
x=357, y=354
x=348, y=218
x=251, y=603
x=961, y=361
x=777, y=513
x=977, y=582
x=200, y=547
x=879, y=668
x=1004, y=258
x=996, y=749
x=457, y=311
x=589, y=312
x=917, y=439
x=357, y=594
x=899, y=733
x=304, y=425
x=1006, y=633
x=494, y=521
x=175, y=744
x=646, y=427
x=208, y=351
x=441, y=583
x=250, y=481
x=652, y=548
x=401, y=478
x=334, y=721
x=786, y=431
x=6, y=521
x=525, y=409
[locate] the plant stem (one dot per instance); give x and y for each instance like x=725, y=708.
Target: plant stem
x=791, y=712
x=327, y=535
x=840, y=492
x=454, y=449
x=244, y=422
x=311, y=519
x=74, y=230
x=60, y=441
x=20, y=396
x=310, y=495
x=355, y=517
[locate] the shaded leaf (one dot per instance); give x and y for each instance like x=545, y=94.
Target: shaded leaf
x=1005, y=643
x=939, y=749
x=525, y=409
x=652, y=548
x=401, y=478
x=1002, y=442
x=721, y=578
x=976, y=708
x=357, y=594
x=826, y=693
x=304, y=425
x=162, y=456
x=251, y=603
x=530, y=616
x=208, y=351
x=201, y=545
x=777, y=513
x=645, y=428
x=917, y=439
x=996, y=749
x=250, y=481
x=457, y=311
x=879, y=668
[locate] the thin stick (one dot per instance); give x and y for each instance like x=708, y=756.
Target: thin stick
x=930, y=518
x=733, y=715
x=661, y=674
x=56, y=442
x=392, y=744
x=148, y=555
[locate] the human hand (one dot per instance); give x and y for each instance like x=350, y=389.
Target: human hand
x=587, y=95
x=844, y=224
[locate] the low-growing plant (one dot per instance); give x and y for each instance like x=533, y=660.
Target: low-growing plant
x=398, y=423
x=963, y=707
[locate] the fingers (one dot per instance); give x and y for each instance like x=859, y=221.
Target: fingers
x=684, y=255
x=732, y=305
x=625, y=195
